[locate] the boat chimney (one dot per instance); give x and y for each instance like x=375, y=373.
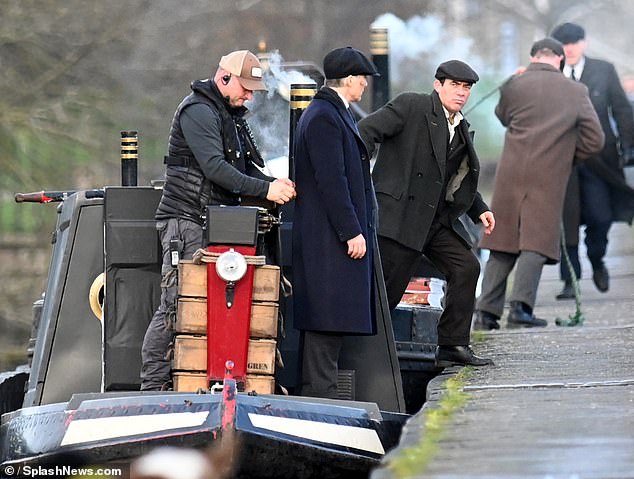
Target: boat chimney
x=129, y=157
x=300, y=97
x=379, y=48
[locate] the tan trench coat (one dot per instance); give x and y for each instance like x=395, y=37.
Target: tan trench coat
x=550, y=121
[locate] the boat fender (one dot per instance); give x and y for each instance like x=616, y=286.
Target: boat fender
x=96, y=296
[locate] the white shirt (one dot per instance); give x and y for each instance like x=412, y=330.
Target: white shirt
x=578, y=69
x=457, y=118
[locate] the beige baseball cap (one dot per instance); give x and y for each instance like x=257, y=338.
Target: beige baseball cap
x=246, y=67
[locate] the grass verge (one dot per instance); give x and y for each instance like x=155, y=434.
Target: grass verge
x=413, y=461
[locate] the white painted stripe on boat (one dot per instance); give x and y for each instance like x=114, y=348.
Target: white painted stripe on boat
x=87, y=430
x=341, y=435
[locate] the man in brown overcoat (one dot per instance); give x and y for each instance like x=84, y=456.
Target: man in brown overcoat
x=550, y=122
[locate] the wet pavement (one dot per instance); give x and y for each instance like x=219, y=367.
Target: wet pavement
x=559, y=402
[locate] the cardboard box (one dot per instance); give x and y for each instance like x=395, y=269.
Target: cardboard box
x=190, y=354
x=192, y=281
x=191, y=318
x=192, y=382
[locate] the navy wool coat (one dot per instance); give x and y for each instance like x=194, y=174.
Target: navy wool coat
x=335, y=202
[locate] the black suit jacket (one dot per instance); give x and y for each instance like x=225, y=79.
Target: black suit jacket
x=607, y=96
x=410, y=169
x=613, y=108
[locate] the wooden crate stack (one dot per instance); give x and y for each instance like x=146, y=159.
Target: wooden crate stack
x=190, y=344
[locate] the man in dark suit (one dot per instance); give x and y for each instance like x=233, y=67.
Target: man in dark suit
x=597, y=194
x=333, y=223
x=426, y=178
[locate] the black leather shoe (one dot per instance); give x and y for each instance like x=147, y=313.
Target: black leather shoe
x=567, y=293
x=520, y=318
x=601, y=278
x=458, y=356
x=485, y=321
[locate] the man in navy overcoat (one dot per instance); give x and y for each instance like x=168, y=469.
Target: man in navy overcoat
x=333, y=223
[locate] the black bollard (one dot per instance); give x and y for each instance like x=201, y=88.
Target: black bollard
x=379, y=48
x=129, y=157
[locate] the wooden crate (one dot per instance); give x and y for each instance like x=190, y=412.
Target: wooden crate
x=260, y=384
x=266, y=283
x=261, y=356
x=191, y=317
x=190, y=354
x=192, y=281
x=191, y=382
x=263, y=320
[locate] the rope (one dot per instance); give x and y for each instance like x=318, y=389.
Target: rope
x=577, y=318
x=203, y=256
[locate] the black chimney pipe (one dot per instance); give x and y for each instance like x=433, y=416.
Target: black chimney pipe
x=379, y=48
x=129, y=157
x=301, y=96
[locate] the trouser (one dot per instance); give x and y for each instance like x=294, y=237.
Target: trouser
x=320, y=364
x=496, y=273
x=596, y=214
x=446, y=251
x=155, y=371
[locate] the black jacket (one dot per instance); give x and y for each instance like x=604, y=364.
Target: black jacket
x=210, y=156
x=409, y=173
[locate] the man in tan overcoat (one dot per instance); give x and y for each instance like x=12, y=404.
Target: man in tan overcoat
x=550, y=122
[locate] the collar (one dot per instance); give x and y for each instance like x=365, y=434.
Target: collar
x=578, y=68
x=457, y=117
x=345, y=102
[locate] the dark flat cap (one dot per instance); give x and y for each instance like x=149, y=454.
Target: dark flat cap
x=547, y=43
x=341, y=62
x=568, y=33
x=456, y=70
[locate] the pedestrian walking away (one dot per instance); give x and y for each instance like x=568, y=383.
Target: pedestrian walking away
x=550, y=122
x=597, y=194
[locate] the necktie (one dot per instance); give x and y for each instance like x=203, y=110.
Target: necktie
x=351, y=116
x=451, y=118
x=572, y=74
x=354, y=121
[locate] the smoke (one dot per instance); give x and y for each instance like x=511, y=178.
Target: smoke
x=418, y=45
x=270, y=112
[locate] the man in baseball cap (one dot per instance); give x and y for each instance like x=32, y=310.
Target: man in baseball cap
x=211, y=160
x=246, y=67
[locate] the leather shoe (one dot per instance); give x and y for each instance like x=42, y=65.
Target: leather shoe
x=519, y=317
x=485, y=321
x=601, y=278
x=568, y=292
x=458, y=356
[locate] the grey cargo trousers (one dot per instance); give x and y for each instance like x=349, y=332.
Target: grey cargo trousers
x=155, y=371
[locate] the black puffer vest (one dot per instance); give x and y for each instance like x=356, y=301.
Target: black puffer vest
x=187, y=191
